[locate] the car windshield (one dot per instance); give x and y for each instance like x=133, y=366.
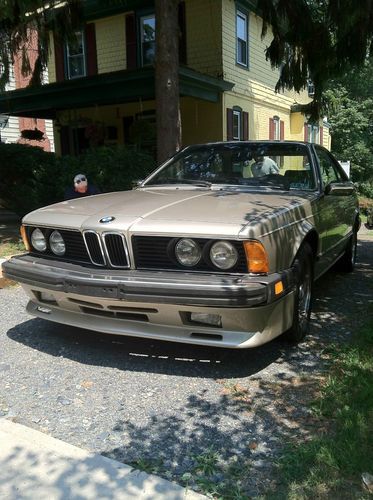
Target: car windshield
x=275, y=166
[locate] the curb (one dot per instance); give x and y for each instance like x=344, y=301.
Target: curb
x=35, y=465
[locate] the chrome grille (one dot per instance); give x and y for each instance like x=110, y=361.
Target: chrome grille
x=116, y=249
x=94, y=247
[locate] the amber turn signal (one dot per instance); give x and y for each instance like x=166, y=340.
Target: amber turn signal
x=279, y=288
x=256, y=257
x=25, y=239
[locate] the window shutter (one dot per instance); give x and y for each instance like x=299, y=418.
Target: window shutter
x=321, y=136
x=282, y=130
x=131, y=41
x=271, y=129
x=305, y=132
x=90, y=38
x=229, y=124
x=245, y=126
x=59, y=57
x=182, y=35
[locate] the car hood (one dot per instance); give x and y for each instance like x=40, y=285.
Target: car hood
x=171, y=211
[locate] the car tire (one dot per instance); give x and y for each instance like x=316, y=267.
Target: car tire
x=303, y=270
x=346, y=263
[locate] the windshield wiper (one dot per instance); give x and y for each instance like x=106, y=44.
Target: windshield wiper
x=196, y=183
x=180, y=182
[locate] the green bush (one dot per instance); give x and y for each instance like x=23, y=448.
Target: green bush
x=32, y=178
x=19, y=166
x=365, y=205
x=366, y=189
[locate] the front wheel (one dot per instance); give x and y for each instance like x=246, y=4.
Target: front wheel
x=303, y=270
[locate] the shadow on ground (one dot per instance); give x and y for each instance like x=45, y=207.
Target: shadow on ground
x=264, y=393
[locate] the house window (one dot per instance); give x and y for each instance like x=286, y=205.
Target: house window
x=237, y=119
x=147, y=39
x=237, y=124
x=75, y=57
x=276, y=128
x=242, y=39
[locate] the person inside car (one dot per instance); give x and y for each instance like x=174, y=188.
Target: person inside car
x=264, y=165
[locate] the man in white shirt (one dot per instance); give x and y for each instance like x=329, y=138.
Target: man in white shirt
x=264, y=166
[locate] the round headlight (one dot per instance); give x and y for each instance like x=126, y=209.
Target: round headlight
x=38, y=240
x=223, y=255
x=57, y=243
x=188, y=252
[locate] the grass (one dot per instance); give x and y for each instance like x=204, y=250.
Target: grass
x=218, y=478
x=11, y=248
x=147, y=465
x=330, y=465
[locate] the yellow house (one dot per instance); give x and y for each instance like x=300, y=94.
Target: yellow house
x=101, y=87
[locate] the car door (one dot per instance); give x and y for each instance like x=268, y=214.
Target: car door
x=337, y=206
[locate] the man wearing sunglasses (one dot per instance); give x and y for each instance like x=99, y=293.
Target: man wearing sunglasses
x=80, y=188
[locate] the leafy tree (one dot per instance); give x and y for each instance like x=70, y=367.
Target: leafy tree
x=18, y=18
x=349, y=105
x=316, y=40
x=312, y=39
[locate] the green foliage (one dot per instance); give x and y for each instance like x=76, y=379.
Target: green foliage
x=19, y=167
x=331, y=464
x=12, y=247
x=18, y=17
x=316, y=40
x=365, y=204
x=349, y=106
x=32, y=178
x=110, y=169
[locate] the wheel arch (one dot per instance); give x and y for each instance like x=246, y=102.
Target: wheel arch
x=312, y=238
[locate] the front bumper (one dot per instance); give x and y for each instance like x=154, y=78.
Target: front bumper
x=148, y=286
x=157, y=304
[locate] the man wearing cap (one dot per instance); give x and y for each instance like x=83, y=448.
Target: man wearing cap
x=264, y=166
x=81, y=188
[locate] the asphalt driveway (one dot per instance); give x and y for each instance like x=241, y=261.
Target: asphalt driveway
x=172, y=408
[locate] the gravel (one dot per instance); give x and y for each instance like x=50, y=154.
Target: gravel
x=166, y=406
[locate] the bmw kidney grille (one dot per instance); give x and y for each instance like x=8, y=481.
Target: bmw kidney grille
x=110, y=249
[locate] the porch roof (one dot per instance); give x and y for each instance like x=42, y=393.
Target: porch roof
x=104, y=89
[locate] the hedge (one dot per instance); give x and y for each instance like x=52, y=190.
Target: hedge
x=31, y=178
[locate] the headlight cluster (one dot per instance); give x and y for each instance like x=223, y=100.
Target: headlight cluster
x=222, y=254
x=55, y=242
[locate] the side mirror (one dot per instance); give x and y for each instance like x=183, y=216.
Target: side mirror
x=137, y=183
x=340, y=188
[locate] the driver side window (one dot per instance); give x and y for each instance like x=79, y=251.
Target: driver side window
x=329, y=172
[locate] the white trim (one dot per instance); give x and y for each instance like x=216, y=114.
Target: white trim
x=243, y=16
x=80, y=55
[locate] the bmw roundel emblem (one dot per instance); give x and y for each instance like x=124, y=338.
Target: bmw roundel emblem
x=108, y=218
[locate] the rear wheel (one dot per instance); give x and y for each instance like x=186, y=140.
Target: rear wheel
x=303, y=270
x=347, y=262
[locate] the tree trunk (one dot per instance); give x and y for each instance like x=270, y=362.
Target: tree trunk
x=167, y=79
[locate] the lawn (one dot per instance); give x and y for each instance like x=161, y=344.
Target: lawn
x=331, y=464
x=13, y=247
